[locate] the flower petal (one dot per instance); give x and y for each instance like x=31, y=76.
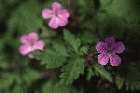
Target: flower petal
x=56, y=6
x=101, y=47
x=24, y=39
x=39, y=45
x=62, y=20
x=115, y=60
x=109, y=40
x=24, y=49
x=118, y=47
x=33, y=37
x=47, y=13
x=54, y=23
x=103, y=58
x=65, y=13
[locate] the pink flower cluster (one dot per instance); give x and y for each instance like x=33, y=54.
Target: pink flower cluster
x=30, y=43
x=57, y=15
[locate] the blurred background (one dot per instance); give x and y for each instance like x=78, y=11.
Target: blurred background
x=90, y=21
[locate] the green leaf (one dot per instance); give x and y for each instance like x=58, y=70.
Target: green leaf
x=72, y=70
x=90, y=74
x=119, y=82
x=132, y=79
x=38, y=54
x=60, y=48
x=127, y=85
x=84, y=49
x=53, y=59
x=70, y=39
x=103, y=73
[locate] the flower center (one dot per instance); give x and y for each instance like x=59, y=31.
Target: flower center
x=55, y=13
x=31, y=43
x=109, y=51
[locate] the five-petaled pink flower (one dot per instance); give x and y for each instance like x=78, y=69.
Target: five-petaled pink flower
x=108, y=51
x=57, y=15
x=30, y=43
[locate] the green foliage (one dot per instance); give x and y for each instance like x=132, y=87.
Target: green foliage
x=119, y=82
x=72, y=70
x=56, y=56
x=6, y=81
x=54, y=87
x=53, y=59
x=133, y=78
x=123, y=9
x=103, y=73
x=25, y=18
x=60, y=48
x=30, y=75
x=70, y=39
x=18, y=89
x=90, y=73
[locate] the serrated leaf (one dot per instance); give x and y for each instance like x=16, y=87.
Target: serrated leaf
x=132, y=85
x=84, y=49
x=90, y=74
x=103, y=73
x=70, y=39
x=119, y=82
x=72, y=70
x=53, y=59
x=60, y=48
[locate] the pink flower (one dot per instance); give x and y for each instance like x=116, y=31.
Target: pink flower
x=108, y=51
x=30, y=43
x=57, y=15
